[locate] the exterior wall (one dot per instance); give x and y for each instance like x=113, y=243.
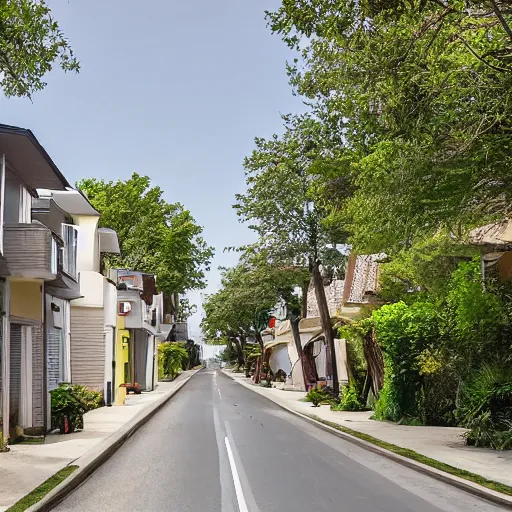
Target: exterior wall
x=122, y=352
x=110, y=303
x=280, y=360
x=87, y=347
x=134, y=320
x=91, y=289
x=505, y=266
x=27, y=300
x=88, y=258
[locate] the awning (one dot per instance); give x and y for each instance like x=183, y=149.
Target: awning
x=496, y=234
x=109, y=242
x=29, y=160
x=275, y=343
x=73, y=202
x=63, y=287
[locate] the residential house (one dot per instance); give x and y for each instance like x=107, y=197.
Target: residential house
x=141, y=328
x=93, y=314
x=58, y=294
x=495, y=240
x=30, y=260
x=314, y=368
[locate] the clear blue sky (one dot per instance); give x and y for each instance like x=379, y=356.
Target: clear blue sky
x=171, y=89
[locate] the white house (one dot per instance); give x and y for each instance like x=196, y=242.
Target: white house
x=94, y=313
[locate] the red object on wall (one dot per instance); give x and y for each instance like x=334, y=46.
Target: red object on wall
x=272, y=322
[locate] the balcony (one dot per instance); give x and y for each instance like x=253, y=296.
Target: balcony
x=31, y=251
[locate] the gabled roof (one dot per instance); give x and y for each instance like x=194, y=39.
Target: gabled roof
x=496, y=234
x=29, y=160
x=361, y=281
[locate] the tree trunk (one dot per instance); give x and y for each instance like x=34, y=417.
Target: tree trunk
x=304, y=304
x=257, y=369
x=325, y=319
x=374, y=361
x=294, y=323
x=239, y=352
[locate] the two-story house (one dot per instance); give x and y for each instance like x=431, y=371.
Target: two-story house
x=93, y=313
x=140, y=328
x=30, y=260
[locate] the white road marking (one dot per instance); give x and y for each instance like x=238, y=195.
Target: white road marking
x=242, y=505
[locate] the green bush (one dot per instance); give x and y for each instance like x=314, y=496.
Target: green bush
x=485, y=407
x=315, y=396
x=73, y=401
x=349, y=400
x=171, y=356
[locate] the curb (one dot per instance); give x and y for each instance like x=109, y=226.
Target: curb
x=93, y=459
x=460, y=483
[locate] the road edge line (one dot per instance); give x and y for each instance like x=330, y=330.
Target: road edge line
x=102, y=453
x=465, y=485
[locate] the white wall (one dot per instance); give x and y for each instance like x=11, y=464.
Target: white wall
x=110, y=303
x=280, y=360
x=88, y=257
x=91, y=289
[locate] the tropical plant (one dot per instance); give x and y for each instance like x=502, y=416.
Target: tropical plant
x=71, y=402
x=317, y=396
x=349, y=400
x=485, y=406
x=171, y=356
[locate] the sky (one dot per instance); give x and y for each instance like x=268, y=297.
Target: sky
x=170, y=89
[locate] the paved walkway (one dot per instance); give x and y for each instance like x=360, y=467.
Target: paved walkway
x=440, y=443
x=26, y=466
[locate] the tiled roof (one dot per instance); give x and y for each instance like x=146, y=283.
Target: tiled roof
x=365, y=278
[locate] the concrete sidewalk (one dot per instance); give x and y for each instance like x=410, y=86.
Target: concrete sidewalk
x=26, y=466
x=444, y=444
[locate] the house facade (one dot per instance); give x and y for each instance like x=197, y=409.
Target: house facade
x=31, y=259
x=93, y=317
x=141, y=328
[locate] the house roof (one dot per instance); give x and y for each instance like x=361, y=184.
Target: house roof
x=495, y=234
x=71, y=201
x=362, y=278
x=29, y=160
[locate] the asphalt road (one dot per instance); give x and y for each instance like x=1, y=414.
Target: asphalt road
x=219, y=447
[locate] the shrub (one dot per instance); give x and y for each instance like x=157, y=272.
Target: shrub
x=317, y=396
x=485, y=407
x=349, y=400
x=171, y=356
x=73, y=401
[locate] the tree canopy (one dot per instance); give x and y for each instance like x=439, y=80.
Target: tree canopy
x=420, y=93
x=154, y=236
x=31, y=43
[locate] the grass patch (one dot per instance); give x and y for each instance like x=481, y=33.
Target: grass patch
x=40, y=492
x=411, y=454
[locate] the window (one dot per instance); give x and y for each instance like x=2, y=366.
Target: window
x=125, y=308
x=55, y=256
x=70, y=236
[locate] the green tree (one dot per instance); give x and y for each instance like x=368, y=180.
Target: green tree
x=248, y=294
x=154, y=236
x=31, y=43
x=420, y=92
x=280, y=205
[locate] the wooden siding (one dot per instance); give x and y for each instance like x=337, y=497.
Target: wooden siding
x=15, y=374
x=27, y=249
x=87, y=347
